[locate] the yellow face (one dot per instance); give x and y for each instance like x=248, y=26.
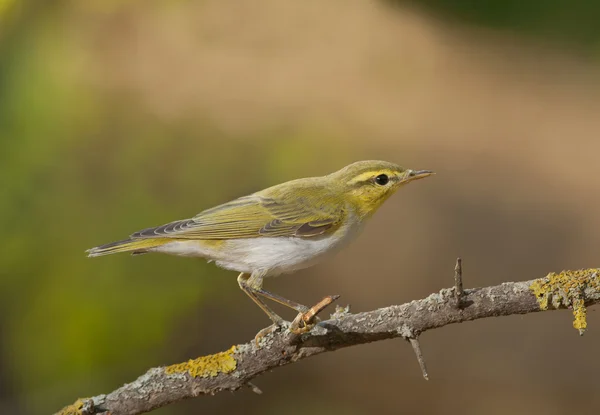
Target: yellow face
x=370, y=183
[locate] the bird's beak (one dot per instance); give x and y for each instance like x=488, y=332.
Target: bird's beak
x=416, y=175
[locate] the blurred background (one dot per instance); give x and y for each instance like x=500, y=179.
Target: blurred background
x=119, y=115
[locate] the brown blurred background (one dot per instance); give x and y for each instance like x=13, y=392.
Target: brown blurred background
x=118, y=115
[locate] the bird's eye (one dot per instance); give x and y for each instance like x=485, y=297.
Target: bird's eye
x=382, y=179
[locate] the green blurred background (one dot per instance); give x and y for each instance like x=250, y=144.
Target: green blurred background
x=119, y=115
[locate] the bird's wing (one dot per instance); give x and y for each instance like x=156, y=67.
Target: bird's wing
x=255, y=216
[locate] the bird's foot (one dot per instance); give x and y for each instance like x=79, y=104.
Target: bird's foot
x=276, y=326
x=305, y=321
x=301, y=325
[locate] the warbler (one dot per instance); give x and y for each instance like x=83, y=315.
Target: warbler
x=278, y=230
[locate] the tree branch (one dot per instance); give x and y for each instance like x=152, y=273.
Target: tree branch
x=236, y=367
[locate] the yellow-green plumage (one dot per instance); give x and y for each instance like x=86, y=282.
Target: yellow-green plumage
x=126, y=245
x=280, y=229
x=299, y=208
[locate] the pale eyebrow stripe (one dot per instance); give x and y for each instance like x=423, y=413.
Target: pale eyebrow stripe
x=364, y=177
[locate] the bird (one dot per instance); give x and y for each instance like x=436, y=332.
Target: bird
x=278, y=230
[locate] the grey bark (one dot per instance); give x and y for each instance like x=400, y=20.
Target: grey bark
x=156, y=388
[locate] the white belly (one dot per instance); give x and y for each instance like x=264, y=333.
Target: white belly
x=275, y=256
x=271, y=256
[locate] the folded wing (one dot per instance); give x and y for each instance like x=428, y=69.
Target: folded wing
x=256, y=216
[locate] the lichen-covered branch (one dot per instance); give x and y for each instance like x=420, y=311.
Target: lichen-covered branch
x=234, y=368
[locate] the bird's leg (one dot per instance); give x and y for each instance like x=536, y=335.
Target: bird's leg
x=284, y=301
x=251, y=284
x=251, y=289
x=247, y=286
x=255, y=282
x=297, y=327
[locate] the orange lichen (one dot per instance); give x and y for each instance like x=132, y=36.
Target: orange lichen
x=206, y=366
x=567, y=289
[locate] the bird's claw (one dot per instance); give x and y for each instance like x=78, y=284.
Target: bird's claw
x=268, y=330
x=305, y=321
x=301, y=326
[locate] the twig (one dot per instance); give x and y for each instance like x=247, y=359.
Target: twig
x=414, y=342
x=254, y=388
x=234, y=368
x=458, y=283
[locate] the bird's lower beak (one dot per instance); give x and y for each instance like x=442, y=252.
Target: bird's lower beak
x=416, y=175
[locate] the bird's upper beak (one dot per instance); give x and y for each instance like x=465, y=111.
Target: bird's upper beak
x=415, y=175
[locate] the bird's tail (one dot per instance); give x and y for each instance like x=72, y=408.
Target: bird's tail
x=135, y=246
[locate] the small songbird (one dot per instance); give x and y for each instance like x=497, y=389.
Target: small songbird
x=278, y=230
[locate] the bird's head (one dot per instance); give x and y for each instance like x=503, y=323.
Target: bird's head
x=367, y=184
